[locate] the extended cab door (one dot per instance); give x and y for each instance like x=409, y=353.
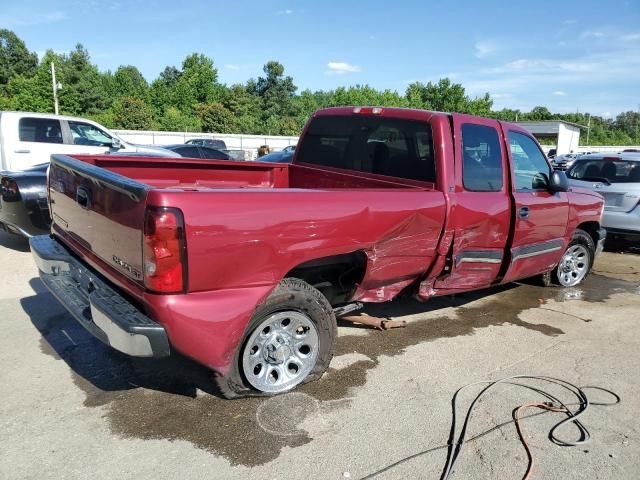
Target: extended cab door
x=540, y=216
x=481, y=205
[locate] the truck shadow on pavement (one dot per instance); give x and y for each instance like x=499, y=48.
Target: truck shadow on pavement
x=103, y=367
x=14, y=242
x=175, y=398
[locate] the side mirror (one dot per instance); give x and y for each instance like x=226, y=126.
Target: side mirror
x=116, y=143
x=558, y=181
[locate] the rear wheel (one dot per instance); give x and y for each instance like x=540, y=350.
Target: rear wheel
x=289, y=341
x=575, y=264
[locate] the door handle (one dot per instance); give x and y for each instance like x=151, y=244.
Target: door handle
x=523, y=212
x=22, y=151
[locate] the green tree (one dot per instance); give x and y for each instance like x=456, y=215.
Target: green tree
x=33, y=93
x=132, y=113
x=15, y=58
x=173, y=120
x=215, y=117
x=245, y=107
x=539, y=113
x=276, y=92
x=197, y=83
x=129, y=82
x=83, y=90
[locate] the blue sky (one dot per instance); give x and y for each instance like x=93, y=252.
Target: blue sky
x=568, y=55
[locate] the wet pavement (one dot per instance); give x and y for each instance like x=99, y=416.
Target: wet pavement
x=61, y=383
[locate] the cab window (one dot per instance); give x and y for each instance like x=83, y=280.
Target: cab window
x=529, y=163
x=41, y=130
x=378, y=145
x=482, y=159
x=87, y=134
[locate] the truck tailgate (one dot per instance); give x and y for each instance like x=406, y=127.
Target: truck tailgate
x=100, y=210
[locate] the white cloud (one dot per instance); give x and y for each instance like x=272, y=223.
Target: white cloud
x=31, y=19
x=570, y=21
x=630, y=37
x=501, y=96
x=592, y=34
x=288, y=11
x=559, y=93
x=485, y=48
x=232, y=66
x=340, y=68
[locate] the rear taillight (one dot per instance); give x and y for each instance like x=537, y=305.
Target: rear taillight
x=9, y=189
x=164, y=250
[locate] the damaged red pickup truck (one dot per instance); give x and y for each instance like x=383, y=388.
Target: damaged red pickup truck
x=241, y=266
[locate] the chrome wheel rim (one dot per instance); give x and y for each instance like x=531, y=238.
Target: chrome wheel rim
x=574, y=265
x=280, y=352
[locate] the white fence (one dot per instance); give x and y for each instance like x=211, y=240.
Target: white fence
x=248, y=143
x=606, y=148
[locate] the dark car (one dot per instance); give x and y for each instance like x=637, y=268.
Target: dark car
x=283, y=156
x=208, y=142
x=197, y=151
x=24, y=209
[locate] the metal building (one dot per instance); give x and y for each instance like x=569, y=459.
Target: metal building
x=565, y=134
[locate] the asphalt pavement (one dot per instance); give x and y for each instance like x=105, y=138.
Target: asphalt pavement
x=72, y=408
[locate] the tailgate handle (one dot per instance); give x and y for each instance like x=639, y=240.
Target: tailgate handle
x=83, y=197
x=523, y=212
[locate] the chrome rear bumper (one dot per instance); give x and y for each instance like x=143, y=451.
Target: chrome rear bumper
x=103, y=311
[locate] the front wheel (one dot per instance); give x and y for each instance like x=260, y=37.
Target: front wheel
x=575, y=264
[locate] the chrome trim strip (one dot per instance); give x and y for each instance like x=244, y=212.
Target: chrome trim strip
x=534, y=250
x=479, y=256
x=533, y=254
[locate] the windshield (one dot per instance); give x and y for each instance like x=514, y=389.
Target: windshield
x=614, y=171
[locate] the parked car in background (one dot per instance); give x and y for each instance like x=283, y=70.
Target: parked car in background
x=563, y=162
x=617, y=178
x=24, y=208
x=208, y=142
x=244, y=266
x=197, y=151
x=29, y=139
x=282, y=156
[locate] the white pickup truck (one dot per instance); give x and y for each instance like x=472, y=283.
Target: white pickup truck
x=28, y=139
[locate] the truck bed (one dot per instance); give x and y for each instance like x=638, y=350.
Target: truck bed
x=196, y=174
x=247, y=224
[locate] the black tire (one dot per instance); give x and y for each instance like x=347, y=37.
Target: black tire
x=550, y=279
x=289, y=294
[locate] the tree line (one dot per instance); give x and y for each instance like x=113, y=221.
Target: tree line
x=191, y=97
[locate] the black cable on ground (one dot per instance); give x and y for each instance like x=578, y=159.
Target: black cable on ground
x=455, y=442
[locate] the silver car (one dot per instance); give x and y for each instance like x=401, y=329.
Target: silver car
x=617, y=178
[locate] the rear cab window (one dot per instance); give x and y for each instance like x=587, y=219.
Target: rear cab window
x=41, y=130
x=482, y=165
x=372, y=144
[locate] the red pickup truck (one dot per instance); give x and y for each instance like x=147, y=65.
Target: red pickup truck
x=244, y=266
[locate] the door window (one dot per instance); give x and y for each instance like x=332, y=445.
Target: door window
x=42, y=130
x=529, y=163
x=87, y=134
x=482, y=159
